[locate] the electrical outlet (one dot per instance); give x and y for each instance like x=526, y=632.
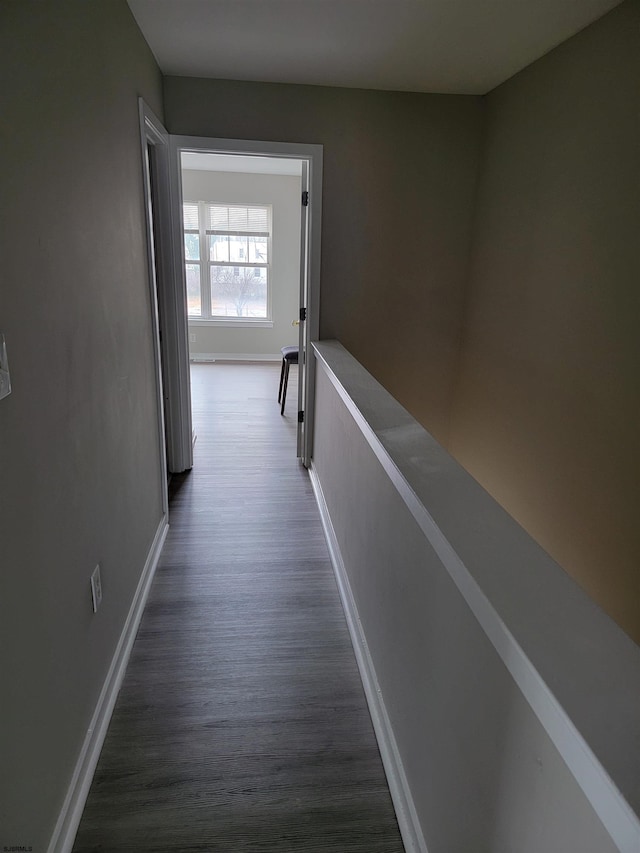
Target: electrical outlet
x=192, y=339
x=96, y=588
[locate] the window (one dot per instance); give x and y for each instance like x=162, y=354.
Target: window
x=227, y=251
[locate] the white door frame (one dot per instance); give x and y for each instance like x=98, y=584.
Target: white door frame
x=293, y=150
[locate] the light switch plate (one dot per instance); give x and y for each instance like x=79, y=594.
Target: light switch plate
x=5, y=378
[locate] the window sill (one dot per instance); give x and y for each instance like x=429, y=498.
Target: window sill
x=241, y=322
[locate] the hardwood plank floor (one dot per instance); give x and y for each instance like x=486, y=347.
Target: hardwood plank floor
x=241, y=724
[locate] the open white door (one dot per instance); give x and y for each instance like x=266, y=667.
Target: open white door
x=174, y=409
x=304, y=345
x=169, y=300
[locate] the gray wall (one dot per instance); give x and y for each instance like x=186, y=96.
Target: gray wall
x=541, y=401
x=548, y=403
x=399, y=179
x=78, y=436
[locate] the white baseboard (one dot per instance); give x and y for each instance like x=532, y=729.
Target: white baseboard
x=67, y=826
x=234, y=356
x=406, y=814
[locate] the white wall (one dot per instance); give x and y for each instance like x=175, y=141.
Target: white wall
x=508, y=693
x=282, y=192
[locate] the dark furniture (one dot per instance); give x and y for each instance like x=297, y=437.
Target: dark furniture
x=289, y=357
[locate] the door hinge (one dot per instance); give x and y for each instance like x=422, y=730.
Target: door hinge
x=305, y=199
x=303, y=314
x=300, y=417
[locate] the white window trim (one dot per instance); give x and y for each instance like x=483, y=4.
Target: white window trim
x=204, y=262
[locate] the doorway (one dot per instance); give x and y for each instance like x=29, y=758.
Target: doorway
x=242, y=255
x=307, y=161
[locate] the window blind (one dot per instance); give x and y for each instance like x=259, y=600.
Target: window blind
x=224, y=219
x=190, y=214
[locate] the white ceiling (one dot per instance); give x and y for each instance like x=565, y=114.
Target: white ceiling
x=203, y=161
x=463, y=46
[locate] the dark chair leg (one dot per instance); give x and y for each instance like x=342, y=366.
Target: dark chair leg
x=284, y=387
x=281, y=380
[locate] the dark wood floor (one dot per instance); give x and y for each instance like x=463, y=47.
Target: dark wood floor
x=241, y=724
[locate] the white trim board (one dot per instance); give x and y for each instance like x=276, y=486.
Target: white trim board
x=234, y=356
x=69, y=819
x=406, y=814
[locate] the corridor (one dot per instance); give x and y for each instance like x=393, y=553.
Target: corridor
x=241, y=724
